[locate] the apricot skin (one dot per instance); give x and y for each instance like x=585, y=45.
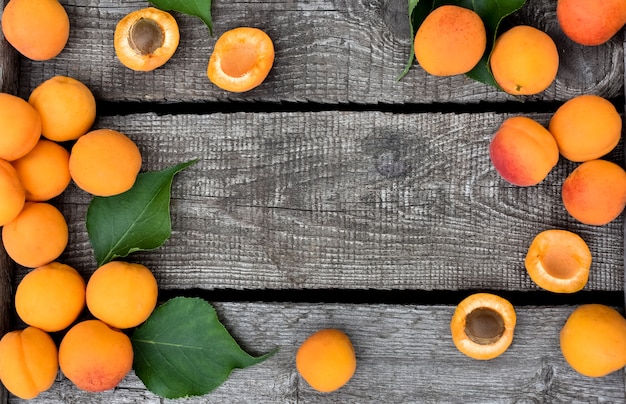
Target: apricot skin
x=12, y=191
x=591, y=22
x=21, y=127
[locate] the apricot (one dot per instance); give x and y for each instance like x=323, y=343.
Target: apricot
x=146, y=39
x=586, y=127
x=451, y=40
x=558, y=261
x=593, y=340
x=524, y=60
x=591, y=22
x=122, y=294
x=12, y=191
x=38, y=29
x=21, y=127
x=523, y=152
x=44, y=171
x=50, y=297
x=482, y=326
x=241, y=59
x=37, y=236
x=595, y=192
x=326, y=360
x=28, y=362
x=67, y=108
x=104, y=162
x=94, y=356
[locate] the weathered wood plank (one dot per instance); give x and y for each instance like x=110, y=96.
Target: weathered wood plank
x=404, y=355
x=352, y=200
x=327, y=51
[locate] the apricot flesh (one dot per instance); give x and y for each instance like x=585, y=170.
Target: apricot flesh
x=591, y=22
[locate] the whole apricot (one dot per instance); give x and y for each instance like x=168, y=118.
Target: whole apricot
x=586, y=127
x=326, y=360
x=28, y=362
x=595, y=192
x=104, y=162
x=38, y=29
x=591, y=22
x=37, y=236
x=67, y=108
x=122, y=294
x=94, y=356
x=524, y=60
x=451, y=40
x=12, y=191
x=50, y=297
x=21, y=127
x=523, y=152
x=593, y=340
x=44, y=171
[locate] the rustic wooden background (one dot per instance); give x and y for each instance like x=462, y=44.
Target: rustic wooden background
x=336, y=195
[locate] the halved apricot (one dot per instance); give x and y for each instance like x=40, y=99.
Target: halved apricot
x=558, y=261
x=241, y=60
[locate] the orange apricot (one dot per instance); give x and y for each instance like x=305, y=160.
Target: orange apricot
x=595, y=192
x=591, y=22
x=50, y=297
x=44, y=171
x=12, y=191
x=586, y=127
x=523, y=152
x=38, y=29
x=524, y=60
x=241, y=59
x=482, y=326
x=146, y=39
x=122, y=294
x=94, y=356
x=104, y=162
x=558, y=261
x=67, y=108
x=28, y=362
x=37, y=236
x=451, y=40
x=21, y=127
x=326, y=360
x=593, y=340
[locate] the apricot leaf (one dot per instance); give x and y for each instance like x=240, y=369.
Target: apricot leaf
x=197, y=8
x=183, y=350
x=136, y=220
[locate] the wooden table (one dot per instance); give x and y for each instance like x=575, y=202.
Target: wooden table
x=334, y=195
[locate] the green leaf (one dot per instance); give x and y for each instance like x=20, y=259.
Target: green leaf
x=136, y=220
x=183, y=350
x=197, y=8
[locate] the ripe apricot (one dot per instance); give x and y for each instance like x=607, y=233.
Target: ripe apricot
x=451, y=40
x=28, y=362
x=122, y=294
x=50, y=297
x=586, y=127
x=94, y=356
x=67, y=108
x=326, y=360
x=524, y=60
x=523, y=152
x=37, y=236
x=44, y=171
x=21, y=127
x=145, y=39
x=593, y=340
x=241, y=59
x=12, y=191
x=591, y=22
x=104, y=162
x=482, y=326
x=595, y=192
x=558, y=261
x=38, y=29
